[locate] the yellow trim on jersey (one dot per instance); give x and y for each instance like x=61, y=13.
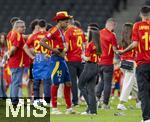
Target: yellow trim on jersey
x=8, y=70
x=53, y=30
x=110, y=46
x=18, y=36
x=55, y=69
x=52, y=44
x=70, y=43
x=139, y=48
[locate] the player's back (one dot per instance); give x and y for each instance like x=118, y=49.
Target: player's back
x=75, y=38
x=141, y=33
x=34, y=41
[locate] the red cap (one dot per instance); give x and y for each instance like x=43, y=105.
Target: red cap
x=61, y=15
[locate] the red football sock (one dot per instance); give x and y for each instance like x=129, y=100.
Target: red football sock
x=54, y=90
x=118, y=93
x=113, y=91
x=67, y=96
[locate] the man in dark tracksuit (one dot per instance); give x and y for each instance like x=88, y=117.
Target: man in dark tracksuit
x=88, y=77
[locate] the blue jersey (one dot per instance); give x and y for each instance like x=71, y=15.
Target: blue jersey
x=41, y=70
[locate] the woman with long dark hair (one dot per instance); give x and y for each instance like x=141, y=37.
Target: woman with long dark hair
x=128, y=66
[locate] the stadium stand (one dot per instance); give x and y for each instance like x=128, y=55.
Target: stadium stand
x=84, y=11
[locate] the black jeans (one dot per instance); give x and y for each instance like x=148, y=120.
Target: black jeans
x=87, y=83
x=106, y=74
x=75, y=69
x=143, y=80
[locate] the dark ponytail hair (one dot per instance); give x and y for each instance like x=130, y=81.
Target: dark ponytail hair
x=126, y=34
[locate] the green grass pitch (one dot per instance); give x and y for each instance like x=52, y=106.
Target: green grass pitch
x=131, y=115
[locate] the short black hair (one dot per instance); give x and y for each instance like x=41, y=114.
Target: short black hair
x=34, y=23
x=77, y=23
x=13, y=20
x=145, y=10
x=42, y=23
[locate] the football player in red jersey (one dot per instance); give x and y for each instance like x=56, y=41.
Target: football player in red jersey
x=58, y=68
x=141, y=41
x=16, y=58
x=26, y=62
x=34, y=26
x=41, y=62
x=76, y=42
x=108, y=43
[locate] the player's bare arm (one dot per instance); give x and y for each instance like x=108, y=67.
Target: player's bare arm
x=133, y=45
x=28, y=51
x=44, y=44
x=12, y=51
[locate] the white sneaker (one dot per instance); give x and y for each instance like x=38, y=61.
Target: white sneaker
x=36, y=103
x=55, y=111
x=99, y=104
x=50, y=104
x=138, y=105
x=121, y=107
x=86, y=113
x=105, y=107
x=47, y=105
x=70, y=111
x=147, y=120
x=113, y=97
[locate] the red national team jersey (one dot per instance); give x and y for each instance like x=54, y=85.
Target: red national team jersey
x=90, y=51
x=15, y=39
x=26, y=60
x=56, y=38
x=128, y=55
x=34, y=41
x=107, y=41
x=141, y=34
x=74, y=37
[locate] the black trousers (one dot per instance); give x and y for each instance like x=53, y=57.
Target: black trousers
x=75, y=69
x=143, y=80
x=87, y=83
x=106, y=74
